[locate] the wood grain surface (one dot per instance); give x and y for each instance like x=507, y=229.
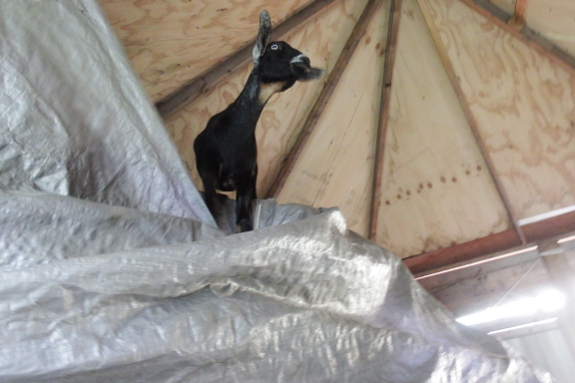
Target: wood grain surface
x=335, y=168
x=321, y=39
x=554, y=20
x=507, y=5
x=169, y=42
x=524, y=105
x=436, y=190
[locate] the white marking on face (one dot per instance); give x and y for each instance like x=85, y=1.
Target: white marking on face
x=299, y=58
x=268, y=90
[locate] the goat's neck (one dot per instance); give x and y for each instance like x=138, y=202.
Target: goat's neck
x=255, y=95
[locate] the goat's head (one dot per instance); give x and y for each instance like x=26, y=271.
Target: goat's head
x=277, y=61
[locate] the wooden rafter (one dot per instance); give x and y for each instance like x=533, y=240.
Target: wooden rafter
x=488, y=280
x=473, y=286
x=383, y=115
x=471, y=120
x=517, y=20
x=462, y=253
x=186, y=94
x=469, y=251
x=508, y=239
x=324, y=97
x=525, y=34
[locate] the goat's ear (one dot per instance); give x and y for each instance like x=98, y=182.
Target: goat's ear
x=264, y=35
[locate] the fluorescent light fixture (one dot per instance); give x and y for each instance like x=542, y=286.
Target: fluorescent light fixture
x=477, y=263
x=547, y=215
x=566, y=239
x=547, y=301
x=523, y=326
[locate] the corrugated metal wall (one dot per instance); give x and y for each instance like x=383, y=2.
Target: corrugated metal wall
x=549, y=351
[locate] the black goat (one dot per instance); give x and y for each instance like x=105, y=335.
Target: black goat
x=226, y=151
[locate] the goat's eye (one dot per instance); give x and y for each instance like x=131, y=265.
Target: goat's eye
x=274, y=47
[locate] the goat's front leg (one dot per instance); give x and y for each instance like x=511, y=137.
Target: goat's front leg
x=209, y=182
x=245, y=195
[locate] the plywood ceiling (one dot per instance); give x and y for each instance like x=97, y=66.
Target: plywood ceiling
x=476, y=127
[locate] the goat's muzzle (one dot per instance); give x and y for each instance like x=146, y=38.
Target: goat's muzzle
x=301, y=68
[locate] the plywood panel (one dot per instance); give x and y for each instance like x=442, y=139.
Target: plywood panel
x=322, y=39
x=436, y=190
x=524, y=104
x=507, y=5
x=336, y=166
x=281, y=121
x=554, y=20
x=170, y=42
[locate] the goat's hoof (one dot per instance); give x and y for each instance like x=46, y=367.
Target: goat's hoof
x=244, y=225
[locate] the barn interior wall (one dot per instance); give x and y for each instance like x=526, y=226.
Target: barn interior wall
x=321, y=39
x=433, y=189
x=507, y=5
x=521, y=99
x=557, y=358
x=170, y=42
x=554, y=20
x=438, y=191
x=336, y=166
x=524, y=105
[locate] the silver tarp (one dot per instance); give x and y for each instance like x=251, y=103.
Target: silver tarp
x=111, y=270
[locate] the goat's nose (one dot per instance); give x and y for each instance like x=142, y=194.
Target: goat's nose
x=301, y=59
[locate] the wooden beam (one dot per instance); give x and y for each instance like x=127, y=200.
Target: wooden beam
x=445, y=276
x=471, y=120
x=489, y=280
x=461, y=253
x=383, y=116
x=521, y=9
x=320, y=104
x=551, y=227
x=470, y=251
x=186, y=94
x=526, y=34
x=474, y=289
x=517, y=21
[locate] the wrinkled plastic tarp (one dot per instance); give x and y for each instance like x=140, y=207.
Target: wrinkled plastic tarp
x=110, y=269
x=74, y=118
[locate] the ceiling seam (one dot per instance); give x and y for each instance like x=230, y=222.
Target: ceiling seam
x=524, y=33
x=383, y=115
x=196, y=86
x=314, y=115
x=471, y=119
